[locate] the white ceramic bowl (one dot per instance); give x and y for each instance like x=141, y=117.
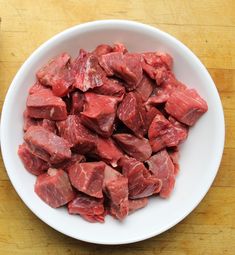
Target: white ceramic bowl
x=200, y=154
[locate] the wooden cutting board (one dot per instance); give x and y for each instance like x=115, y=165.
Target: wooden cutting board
x=208, y=28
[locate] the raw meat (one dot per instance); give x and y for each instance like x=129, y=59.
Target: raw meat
x=88, y=178
x=102, y=49
x=46, y=145
x=99, y=113
x=32, y=163
x=186, y=106
x=77, y=102
x=37, y=86
x=138, y=148
x=54, y=188
x=145, y=88
x=135, y=204
x=119, y=47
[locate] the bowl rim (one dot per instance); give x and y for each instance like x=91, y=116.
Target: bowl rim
x=105, y=24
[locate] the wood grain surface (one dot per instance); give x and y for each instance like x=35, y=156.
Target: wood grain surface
x=208, y=28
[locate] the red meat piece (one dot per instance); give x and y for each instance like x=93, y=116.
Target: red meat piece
x=151, y=112
x=77, y=102
x=88, y=177
x=28, y=121
x=43, y=104
x=102, y=49
x=119, y=47
x=186, y=106
x=46, y=145
x=145, y=88
x=162, y=133
x=127, y=67
x=110, y=174
x=108, y=151
x=37, y=86
x=135, y=204
x=32, y=163
x=138, y=148
x=117, y=192
x=174, y=155
x=57, y=74
x=99, y=113
x=111, y=87
x=132, y=113
x=81, y=138
x=49, y=125
x=54, y=188
x=90, y=208
x=87, y=72
x=162, y=167
x=140, y=184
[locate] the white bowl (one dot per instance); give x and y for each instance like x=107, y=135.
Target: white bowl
x=200, y=154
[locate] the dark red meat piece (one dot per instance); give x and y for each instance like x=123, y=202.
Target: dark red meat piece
x=110, y=174
x=102, y=49
x=162, y=167
x=174, y=155
x=46, y=145
x=119, y=47
x=87, y=72
x=186, y=106
x=99, y=113
x=57, y=74
x=28, y=121
x=43, y=104
x=49, y=125
x=132, y=113
x=88, y=177
x=151, y=112
x=90, y=208
x=139, y=183
x=32, y=163
x=135, y=204
x=81, y=138
x=54, y=188
x=145, y=88
x=77, y=102
x=138, y=148
x=37, y=86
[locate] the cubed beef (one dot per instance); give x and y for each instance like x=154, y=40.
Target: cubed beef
x=117, y=192
x=138, y=148
x=135, y=204
x=49, y=125
x=119, y=47
x=186, y=106
x=139, y=184
x=28, y=121
x=162, y=133
x=132, y=113
x=87, y=72
x=37, y=86
x=102, y=49
x=54, y=188
x=88, y=177
x=162, y=167
x=57, y=74
x=99, y=113
x=158, y=59
x=43, y=104
x=175, y=155
x=110, y=174
x=151, y=112
x=81, y=138
x=108, y=151
x=77, y=102
x=32, y=163
x=111, y=87
x=47, y=145
x=90, y=208
x=127, y=67
x=145, y=88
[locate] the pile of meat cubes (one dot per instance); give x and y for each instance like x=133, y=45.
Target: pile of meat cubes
x=102, y=130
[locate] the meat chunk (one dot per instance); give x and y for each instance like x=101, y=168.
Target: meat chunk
x=28, y=121
x=127, y=67
x=87, y=72
x=46, y=145
x=90, y=208
x=145, y=88
x=110, y=174
x=138, y=148
x=135, y=204
x=119, y=47
x=49, y=125
x=132, y=113
x=102, y=49
x=54, y=188
x=186, y=106
x=57, y=74
x=43, y=104
x=77, y=102
x=175, y=155
x=151, y=112
x=111, y=87
x=33, y=164
x=81, y=138
x=140, y=184
x=88, y=177
x=37, y=86
x=99, y=113
x=162, y=167
x=162, y=133
x=108, y=151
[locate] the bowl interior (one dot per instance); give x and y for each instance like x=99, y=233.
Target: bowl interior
x=200, y=154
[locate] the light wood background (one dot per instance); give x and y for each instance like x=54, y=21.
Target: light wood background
x=208, y=28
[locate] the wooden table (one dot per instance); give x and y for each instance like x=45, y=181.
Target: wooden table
x=208, y=28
